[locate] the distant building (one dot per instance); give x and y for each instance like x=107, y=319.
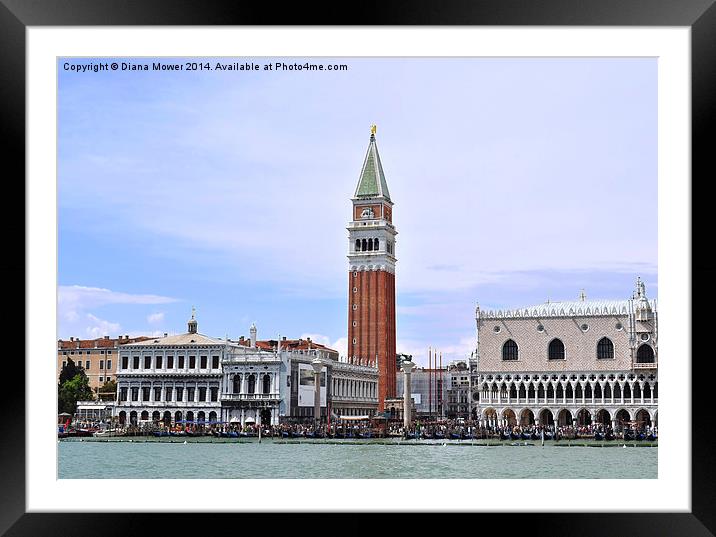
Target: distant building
x=457, y=379
x=568, y=363
x=428, y=390
x=198, y=379
x=272, y=380
x=170, y=379
x=98, y=357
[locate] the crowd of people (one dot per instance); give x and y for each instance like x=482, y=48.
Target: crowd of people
x=481, y=430
x=448, y=429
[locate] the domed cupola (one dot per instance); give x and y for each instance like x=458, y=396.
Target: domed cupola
x=192, y=325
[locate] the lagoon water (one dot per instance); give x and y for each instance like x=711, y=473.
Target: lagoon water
x=369, y=460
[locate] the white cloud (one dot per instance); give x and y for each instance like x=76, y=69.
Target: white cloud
x=450, y=352
x=155, y=318
x=76, y=304
x=78, y=297
x=340, y=344
x=97, y=327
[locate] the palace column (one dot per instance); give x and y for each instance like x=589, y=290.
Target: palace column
x=407, y=368
x=317, y=365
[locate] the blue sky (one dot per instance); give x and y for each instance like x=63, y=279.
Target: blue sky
x=514, y=181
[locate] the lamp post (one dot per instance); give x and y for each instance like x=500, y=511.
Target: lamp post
x=317, y=366
x=407, y=368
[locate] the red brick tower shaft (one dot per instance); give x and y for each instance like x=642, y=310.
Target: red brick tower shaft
x=371, y=278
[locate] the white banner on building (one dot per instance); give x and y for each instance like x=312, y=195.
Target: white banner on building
x=306, y=386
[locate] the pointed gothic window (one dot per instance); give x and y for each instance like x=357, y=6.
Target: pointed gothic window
x=605, y=348
x=645, y=355
x=556, y=350
x=510, y=350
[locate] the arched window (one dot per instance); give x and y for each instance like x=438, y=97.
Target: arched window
x=370, y=245
x=357, y=245
x=376, y=245
x=364, y=246
x=645, y=354
x=605, y=348
x=510, y=350
x=237, y=383
x=267, y=383
x=556, y=350
x=252, y=383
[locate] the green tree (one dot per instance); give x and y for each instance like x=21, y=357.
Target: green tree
x=69, y=370
x=73, y=390
x=109, y=387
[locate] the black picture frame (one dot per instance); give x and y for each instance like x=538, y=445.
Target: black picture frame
x=698, y=15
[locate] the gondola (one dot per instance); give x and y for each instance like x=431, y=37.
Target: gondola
x=598, y=436
x=296, y=434
x=526, y=436
x=439, y=435
x=160, y=433
x=609, y=436
x=455, y=436
x=409, y=436
x=535, y=435
x=515, y=436
x=285, y=434
x=652, y=437
x=466, y=436
x=640, y=436
x=504, y=436
x=628, y=435
x=548, y=435
x=366, y=434
x=177, y=433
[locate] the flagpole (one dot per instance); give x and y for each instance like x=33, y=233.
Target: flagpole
x=430, y=383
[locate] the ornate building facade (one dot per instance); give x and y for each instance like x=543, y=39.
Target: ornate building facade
x=272, y=381
x=194, y=378
x=568, y=363
x=170, y=379
x=371, y=277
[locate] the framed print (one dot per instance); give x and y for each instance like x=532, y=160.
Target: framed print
x=515, y=190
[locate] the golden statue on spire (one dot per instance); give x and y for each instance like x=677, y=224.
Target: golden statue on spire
x=373, y=128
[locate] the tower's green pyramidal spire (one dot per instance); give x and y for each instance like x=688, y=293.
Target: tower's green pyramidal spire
x=372, y=182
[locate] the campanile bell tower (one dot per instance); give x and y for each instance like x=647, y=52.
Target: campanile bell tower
x=371, y=277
